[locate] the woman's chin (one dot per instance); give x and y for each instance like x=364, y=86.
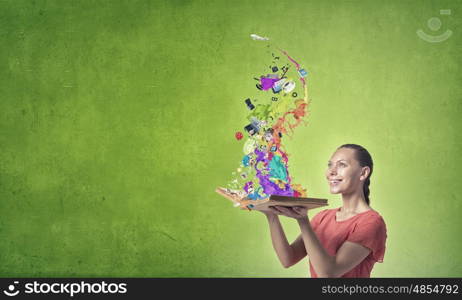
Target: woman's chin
x=334, y=191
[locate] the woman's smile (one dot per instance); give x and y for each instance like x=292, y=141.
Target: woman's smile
x=334, y=182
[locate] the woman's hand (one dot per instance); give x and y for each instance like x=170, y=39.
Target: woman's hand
x=268, y=211
x=296, y=212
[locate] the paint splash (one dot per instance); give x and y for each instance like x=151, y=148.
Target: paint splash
x=264, y=168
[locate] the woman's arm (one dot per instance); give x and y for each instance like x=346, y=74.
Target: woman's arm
x=348, y=256
x=288, y=254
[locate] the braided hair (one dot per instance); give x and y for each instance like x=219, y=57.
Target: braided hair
x=364, y=159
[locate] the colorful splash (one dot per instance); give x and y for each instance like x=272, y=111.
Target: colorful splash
x=281, y=105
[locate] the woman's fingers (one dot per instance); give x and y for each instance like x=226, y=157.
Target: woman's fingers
x=300, y=210
x=280, y=208
x=288, y=212
x=274, y=209
x=284, y=209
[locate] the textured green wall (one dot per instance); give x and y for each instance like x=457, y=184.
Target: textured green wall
x=117, y=123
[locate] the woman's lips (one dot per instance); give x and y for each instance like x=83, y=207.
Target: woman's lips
x=334, y=182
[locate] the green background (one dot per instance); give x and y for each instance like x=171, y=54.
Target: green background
x=118, y=122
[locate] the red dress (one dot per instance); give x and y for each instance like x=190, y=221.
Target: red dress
x=367, y=228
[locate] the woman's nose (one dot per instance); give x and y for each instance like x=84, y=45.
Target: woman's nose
x=332, y=171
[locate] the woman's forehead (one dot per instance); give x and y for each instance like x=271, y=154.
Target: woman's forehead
x=345, y=154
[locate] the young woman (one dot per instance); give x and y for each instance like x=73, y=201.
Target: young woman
x=340, y=242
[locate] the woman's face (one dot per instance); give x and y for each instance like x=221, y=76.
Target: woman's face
x=344, y=174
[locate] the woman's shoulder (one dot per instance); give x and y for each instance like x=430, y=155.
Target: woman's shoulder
x=371, y=216
x=375, y=215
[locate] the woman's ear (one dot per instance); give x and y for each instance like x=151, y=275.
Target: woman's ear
x=365, y=171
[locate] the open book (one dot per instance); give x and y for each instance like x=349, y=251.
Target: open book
x=239, y=199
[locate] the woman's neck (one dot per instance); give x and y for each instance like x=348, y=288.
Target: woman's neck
x=354, y=202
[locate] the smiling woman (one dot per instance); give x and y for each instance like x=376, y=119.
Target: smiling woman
x=340, y=242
